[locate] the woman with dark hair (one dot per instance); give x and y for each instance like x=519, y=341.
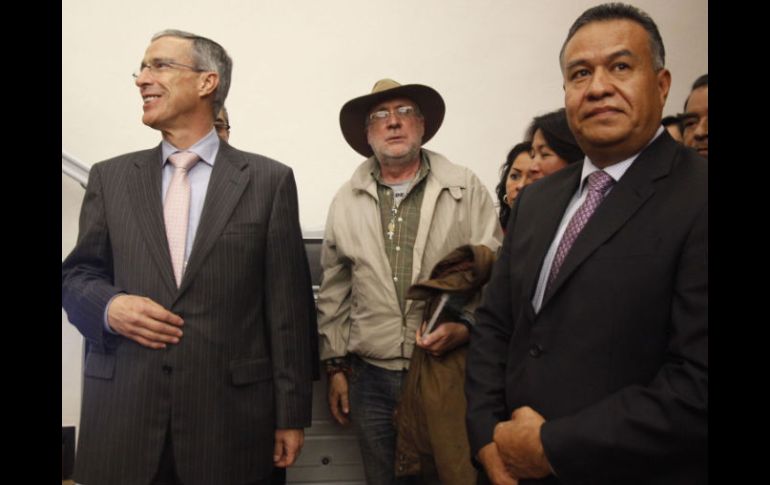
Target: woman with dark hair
x=553, y=144
x=552, y=147
x=514, y=174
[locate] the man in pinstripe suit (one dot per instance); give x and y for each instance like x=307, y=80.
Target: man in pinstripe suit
x=209, y=380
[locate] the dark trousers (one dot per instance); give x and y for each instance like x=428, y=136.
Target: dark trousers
x=167, y=469
x=374, y=393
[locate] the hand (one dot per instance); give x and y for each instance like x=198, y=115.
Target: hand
x=288, y=444
x=518, y=442
x=339, y=405
x=144, y=321
x=443, y=338
x=489, y=456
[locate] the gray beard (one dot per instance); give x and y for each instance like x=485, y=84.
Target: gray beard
x=404, y=160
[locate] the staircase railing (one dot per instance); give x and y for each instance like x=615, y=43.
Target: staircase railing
x=74, y=168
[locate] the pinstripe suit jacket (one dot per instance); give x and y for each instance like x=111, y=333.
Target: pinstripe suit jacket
x=243, y=367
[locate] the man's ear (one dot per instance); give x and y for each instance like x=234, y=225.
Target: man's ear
x=208, y=83
x=664, y=84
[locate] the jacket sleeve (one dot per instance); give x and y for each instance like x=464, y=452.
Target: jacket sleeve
x=335, y=293
x=87, y=272
x=655, y=424
x=287, y=281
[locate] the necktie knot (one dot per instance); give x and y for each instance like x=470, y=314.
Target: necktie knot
x=183, y=160
x=599, y=181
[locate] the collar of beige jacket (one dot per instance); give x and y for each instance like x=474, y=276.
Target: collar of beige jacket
x=447, y=174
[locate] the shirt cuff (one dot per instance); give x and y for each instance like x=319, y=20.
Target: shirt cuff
x=107, y=327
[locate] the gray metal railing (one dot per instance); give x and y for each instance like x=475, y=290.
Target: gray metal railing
x=74, y=168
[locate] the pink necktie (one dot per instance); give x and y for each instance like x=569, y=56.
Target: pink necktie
x=176, y=210
x=598, y=183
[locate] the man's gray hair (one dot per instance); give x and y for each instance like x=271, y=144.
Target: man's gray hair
x=210, y=56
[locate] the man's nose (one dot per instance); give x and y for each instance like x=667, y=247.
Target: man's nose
x=143, y=76
x=393, y=121
x=600, y=84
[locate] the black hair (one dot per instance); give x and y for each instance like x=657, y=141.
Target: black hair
x=557, y=134
x=702, y=81
x=621, y=11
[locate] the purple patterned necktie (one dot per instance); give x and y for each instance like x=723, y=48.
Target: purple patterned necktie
x=176, y=210
x=598, y=183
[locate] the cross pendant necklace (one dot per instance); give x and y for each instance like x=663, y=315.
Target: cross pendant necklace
x=394, y=209
x=392, y=223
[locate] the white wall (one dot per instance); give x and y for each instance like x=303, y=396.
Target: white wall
x=71, y=342
x=296, y=62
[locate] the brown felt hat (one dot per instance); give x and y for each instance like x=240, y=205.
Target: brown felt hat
x=353, y=113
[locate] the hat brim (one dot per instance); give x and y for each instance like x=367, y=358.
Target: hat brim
x=353, y=113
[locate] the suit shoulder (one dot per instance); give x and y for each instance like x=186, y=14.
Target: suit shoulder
x=690, y=160
x=691, y=168
x=120, y=161
x=256, y=160
x=557, y=179
x=451, y=173
x=571, y=170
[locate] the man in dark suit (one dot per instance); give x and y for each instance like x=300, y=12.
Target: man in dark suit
x=197, y=370
x=590, y=364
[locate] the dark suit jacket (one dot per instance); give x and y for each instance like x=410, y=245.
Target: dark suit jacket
x=617, y=359
x=243, y=367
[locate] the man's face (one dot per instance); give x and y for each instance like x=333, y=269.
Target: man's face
x=172, y=92
x=696, y=121
x=396, y=138
x=613, y=96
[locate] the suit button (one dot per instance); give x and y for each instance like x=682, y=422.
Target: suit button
x=535, y=350
x=167, y=369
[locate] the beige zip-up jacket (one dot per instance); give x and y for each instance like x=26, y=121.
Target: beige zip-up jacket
x=358, y=310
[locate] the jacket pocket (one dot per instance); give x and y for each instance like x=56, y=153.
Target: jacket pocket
x=100, y=366
x=248, y=371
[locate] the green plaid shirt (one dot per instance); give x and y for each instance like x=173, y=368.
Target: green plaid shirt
x=403, y=222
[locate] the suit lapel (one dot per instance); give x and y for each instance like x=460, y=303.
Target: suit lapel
x=144, y=190
x=552, y=204
x=627, y=196
x=226, y=185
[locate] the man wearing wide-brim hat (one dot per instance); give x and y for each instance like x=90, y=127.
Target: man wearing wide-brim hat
x=403, y=210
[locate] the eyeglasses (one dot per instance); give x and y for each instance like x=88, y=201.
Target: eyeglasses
x=401, y=112
x=222, y=126
x=158, y=67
